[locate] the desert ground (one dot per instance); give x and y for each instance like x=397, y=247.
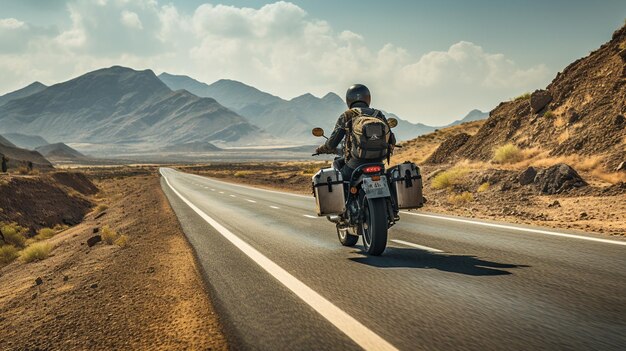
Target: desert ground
x=137, y=289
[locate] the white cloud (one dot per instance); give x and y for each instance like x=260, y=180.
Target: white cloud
x=278, y=48
x=11, y=23
x=131, y=20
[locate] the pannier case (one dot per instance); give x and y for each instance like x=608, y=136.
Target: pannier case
x=328, y=192
x=406, y=181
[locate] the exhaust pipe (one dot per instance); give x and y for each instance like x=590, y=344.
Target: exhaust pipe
x=334, y=218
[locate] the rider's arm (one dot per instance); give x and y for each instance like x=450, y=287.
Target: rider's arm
x=338, y=133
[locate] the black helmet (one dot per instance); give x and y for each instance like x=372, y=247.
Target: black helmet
x=358, y=93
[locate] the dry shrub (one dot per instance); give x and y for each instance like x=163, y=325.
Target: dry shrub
x=524, y=96
x=508, y=153
x=449, y=178
x=109, y=235
x=13, y=234
x=560, y=122
x=613, y=178
x=23, y=171
x=36, y=252
x=483, y=187
x=121, y=241
x=45, y=233
x=242, y=174
x=549, y=114
x=8, y=253
x=459, y=199
x=563, y=137
x=101, y=207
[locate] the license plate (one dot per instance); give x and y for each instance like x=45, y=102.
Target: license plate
x=376, y=188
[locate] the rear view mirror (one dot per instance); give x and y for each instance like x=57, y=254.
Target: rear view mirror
x=318, y=132
x=392, y=122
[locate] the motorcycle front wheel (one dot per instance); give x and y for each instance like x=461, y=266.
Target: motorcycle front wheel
x=374, y=226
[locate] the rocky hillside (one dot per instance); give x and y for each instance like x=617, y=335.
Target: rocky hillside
x=121, y=105
x=580, y=113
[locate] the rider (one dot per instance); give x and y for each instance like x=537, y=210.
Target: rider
x=357, y=96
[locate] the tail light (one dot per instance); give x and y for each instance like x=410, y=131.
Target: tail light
x=372, y=169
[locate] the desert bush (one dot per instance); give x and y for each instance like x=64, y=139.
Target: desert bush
x=483, y=187
x=449, y=178
x=8, y=253
x=549, y=114
x=23, y=170
x=13, y=234
x=508, y=153
x=109, y=235
x=101, y=207
x=121, y=241
x=524, y=96
x=459, y=199
x=36, y=252
x=241, y=174
x=45, y=233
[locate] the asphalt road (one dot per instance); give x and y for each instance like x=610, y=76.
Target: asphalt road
x=280, y=280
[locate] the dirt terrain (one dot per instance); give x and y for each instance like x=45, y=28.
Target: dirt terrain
x=140, y=293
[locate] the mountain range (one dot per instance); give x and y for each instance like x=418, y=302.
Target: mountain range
x=286, y=119
x=120, y=105
x=119, y=108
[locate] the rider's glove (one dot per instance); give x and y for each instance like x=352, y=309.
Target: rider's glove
x=323, y=149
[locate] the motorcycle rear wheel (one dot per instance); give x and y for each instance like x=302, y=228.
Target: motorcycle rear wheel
x=374, y=227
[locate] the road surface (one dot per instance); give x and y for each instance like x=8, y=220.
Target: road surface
x=280, y=280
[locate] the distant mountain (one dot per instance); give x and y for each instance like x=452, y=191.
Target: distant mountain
x=120, y=105
x=230, y=93
x=473, y=115
x=4, y=141
x=286, y=119
x=28, y=90
x=20, y=157
x=196, y=146
x=59, y=151
x=30, y=142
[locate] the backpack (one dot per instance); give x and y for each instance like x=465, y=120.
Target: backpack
x=368, y=135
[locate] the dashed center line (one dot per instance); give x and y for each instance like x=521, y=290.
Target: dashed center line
x=231, y=195
x=275, y=207
x=251, y=201
x=309, y=216
x=421, y=247
x=221, y=192
x=212, y=189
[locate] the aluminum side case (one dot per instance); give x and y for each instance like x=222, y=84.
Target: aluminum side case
x=328, y=191
x=406, y=181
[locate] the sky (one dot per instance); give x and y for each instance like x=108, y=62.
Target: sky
x=427, y=61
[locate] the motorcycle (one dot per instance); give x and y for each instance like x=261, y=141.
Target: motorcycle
x=365, y=205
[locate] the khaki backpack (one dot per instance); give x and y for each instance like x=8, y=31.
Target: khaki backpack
x=367, y=135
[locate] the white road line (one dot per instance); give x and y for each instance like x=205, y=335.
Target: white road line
x=354, y=329
x=529, y=230
x=421, y=247
x=254, y=202
x=309, y=216
x=221, y=192
x=275, y=207
x=212, y=189
x=231, y=195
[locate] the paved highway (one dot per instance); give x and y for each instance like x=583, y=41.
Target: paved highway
x=280, y=280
